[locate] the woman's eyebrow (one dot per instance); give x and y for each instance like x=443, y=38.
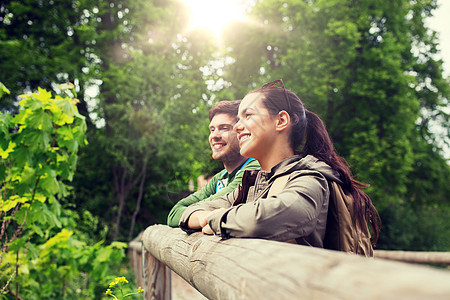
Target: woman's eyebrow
x=245, y=110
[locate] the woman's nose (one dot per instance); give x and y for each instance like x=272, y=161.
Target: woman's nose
x=238, y=126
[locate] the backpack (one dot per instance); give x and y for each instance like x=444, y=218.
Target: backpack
x=343, y=231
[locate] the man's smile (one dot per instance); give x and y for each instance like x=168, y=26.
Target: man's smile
x=218, y=146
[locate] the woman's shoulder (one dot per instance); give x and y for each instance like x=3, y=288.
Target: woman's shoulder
x=304, y=166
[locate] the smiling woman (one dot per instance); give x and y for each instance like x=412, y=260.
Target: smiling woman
x=214, y=15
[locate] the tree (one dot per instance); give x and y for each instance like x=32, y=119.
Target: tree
x=43, y=43
x=150, y=94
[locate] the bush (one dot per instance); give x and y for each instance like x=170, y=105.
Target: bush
x=44, y=255
x=410, y=228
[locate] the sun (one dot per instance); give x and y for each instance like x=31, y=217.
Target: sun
x=214, y=15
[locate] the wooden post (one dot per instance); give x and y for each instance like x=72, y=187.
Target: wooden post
x=135, y=254
x=135, y=250
x=157, y=279
x=262, y=269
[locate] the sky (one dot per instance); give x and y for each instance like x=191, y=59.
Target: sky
x=440, y=22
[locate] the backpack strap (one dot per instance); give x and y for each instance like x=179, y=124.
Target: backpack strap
x=278, y=185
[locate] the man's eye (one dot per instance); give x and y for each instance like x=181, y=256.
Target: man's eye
x=247, y=115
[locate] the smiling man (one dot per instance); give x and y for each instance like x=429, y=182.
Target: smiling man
x=225, y=148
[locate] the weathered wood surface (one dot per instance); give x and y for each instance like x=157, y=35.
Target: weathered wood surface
x=261, y=269
x=180, y=290
x=136, y=260
x=415, y=256
x=157, y=279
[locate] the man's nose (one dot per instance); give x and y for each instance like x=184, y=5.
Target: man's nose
x=215, y=135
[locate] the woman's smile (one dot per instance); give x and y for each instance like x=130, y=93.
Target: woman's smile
x=243, y=137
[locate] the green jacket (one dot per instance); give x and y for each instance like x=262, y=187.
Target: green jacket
x=209, y=191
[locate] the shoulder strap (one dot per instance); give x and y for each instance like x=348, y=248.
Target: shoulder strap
x=278, y=185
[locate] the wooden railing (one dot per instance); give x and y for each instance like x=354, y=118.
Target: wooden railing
x=262, y=269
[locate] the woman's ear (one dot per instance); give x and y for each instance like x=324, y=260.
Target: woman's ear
x=283, y=121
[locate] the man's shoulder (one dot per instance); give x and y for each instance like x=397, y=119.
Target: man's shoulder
x=218, y=175
x=252, y=165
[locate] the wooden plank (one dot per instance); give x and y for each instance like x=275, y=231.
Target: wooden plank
x=182, y=290
x=261, y=269
x=415, y=256
x=157, y=279
x=135, y=255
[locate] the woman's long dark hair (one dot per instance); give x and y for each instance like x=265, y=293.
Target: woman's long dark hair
x=309, y=136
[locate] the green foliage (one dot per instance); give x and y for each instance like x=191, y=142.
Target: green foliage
x=411, y=228
x=3, y=90
x=151, y=103
x=64, y=267
x=43, y=42
x=41, y=256
x=39, y=150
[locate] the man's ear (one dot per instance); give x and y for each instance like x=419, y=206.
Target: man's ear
x=283, y=120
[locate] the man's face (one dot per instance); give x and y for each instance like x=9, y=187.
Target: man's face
x=223, y=139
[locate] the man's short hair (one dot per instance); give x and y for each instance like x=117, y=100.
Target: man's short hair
x=225, y=107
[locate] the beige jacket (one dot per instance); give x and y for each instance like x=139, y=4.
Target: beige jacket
x=298, y=212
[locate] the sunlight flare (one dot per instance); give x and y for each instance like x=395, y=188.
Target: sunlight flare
x=214, y=15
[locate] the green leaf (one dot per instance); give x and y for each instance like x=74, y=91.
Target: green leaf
x=26, y=176
x=66, y=86
x=3, y=89
x=22, y=156
x=40, y=120
x=60, y=239
x=49, y=183
x=12, y=202
x=65, y=133
x=43, y=95
x=36, y=140
x=119, y=245
x=5, y=123
x=67, y=108
x=5, y=153
x=36, y=229
x=104, y=254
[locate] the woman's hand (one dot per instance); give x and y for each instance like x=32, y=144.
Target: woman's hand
x=199, y=219
x=207, y=230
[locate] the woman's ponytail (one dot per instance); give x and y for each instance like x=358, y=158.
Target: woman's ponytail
x=317, y=141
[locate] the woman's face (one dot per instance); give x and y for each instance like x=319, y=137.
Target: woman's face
x=255, y=128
